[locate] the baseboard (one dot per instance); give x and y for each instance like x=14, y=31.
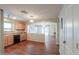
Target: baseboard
x=35, y=41
x=8, y=45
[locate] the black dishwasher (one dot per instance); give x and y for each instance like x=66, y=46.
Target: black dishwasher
x=16, y=39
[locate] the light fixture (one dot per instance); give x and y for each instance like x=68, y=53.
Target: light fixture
x=13, y=17
x=31, y=16
x=31, y=21
x=24, y=12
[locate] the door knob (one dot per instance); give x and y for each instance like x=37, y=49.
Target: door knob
x=64, y=42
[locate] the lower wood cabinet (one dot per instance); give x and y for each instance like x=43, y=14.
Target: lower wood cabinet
x=8, y=39
x=5, y=40
x=23, y=37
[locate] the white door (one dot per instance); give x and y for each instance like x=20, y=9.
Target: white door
x=76, y=29
x=69, y=34
x=68, y=30
x=61, y=31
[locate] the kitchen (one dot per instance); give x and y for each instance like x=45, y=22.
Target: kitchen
x=14, y=30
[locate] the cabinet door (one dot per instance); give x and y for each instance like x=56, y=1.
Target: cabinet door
x=20, y=25
x=10, y=40
x=76, y=29
x=5, y=40
x=23, y=37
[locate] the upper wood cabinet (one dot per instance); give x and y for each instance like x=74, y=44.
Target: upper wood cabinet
x=19, y=25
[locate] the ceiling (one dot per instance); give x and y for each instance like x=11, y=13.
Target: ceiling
x=39, y=11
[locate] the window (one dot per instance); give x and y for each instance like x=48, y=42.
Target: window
x=35, y=29
x=39, y=28
x=42, y=28
x=32, y=29
x=7, y=26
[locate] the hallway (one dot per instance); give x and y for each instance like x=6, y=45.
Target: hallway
x=33, y=48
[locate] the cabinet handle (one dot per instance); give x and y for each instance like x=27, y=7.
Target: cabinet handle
x=77, y=45
x=61, y=23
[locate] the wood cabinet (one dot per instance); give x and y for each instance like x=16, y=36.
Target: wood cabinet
x=8, y=40
x=5, y=40
x=20, y=25
x=23, y=37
